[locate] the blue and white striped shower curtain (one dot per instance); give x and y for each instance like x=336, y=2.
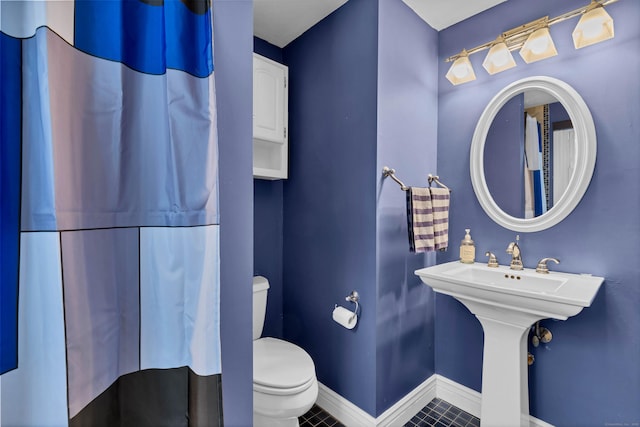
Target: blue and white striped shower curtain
x=109, y=302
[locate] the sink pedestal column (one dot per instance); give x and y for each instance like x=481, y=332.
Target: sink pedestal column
x=507, y=303
x=505, y=380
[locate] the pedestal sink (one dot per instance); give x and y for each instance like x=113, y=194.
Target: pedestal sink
x=507, y=303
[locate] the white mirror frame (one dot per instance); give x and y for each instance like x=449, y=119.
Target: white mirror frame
x=586, y=147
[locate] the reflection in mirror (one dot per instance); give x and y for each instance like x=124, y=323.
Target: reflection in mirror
x=529, y=154
x=561, y=199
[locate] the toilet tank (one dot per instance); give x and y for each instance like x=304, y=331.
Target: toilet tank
x=260, y=288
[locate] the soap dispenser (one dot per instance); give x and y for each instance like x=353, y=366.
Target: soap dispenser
x=467, y=249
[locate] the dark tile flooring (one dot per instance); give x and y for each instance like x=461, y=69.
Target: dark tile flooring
x=318, y=417
x=437, y=413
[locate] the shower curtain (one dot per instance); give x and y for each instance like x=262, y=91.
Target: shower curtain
x=535, y=200
x=563, y=161
x=109, y=302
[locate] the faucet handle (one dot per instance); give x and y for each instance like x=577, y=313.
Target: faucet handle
x=511, y=247
x=493, y=262
x=542, y=265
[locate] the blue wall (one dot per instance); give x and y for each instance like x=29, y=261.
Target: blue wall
x=589, y=374
x=268, y=227
x=504, y=157
x=233, y=26
x=364, y=94
x=407, y=142
x=339, y=211
x=329, y=198
x=267, y=249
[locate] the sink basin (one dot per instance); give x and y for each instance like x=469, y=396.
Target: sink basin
x=507, y=303
x=508, y=280
x=554, y=295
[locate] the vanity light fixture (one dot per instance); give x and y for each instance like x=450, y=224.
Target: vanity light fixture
x=461, y=71
x=534, y=41
x=595, y=25
x=538, y=46
x=499, y=57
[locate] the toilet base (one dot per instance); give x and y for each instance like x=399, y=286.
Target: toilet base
x=282, y=411
x=260, y=421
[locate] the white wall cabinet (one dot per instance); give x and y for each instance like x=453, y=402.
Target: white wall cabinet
x=270, y=119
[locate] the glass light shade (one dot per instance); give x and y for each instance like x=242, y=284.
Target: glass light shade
x=538, y=46
x=594, y=26
x=498, y=59
x=461, y=71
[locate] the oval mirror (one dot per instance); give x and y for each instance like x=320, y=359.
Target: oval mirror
x=533, y=154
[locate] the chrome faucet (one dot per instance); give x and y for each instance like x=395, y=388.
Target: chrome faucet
x=516, y=255
x=493, y=261
x=542, y=265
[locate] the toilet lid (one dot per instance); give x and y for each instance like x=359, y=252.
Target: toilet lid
x=281, y=365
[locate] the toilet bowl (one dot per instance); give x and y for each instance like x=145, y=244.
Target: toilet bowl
x=284, y=383
x=284, y=377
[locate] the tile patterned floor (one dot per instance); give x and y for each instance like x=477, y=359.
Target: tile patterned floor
x=437, y=413
x=318, y=417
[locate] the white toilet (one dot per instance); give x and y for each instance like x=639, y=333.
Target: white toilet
x=284, y=376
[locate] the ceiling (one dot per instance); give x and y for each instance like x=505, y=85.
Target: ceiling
x=441, y=14
x=281, y=21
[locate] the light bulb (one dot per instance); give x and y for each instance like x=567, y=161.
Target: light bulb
x=539, y=45
x=594, y=26
x=460, y=70
x=592, y=29
x=500, y=58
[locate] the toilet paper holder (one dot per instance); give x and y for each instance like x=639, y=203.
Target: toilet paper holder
x=353, y=297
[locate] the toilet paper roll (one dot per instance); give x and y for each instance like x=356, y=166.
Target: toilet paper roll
x=344, y=317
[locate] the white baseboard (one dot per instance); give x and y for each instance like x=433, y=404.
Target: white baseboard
x=402, y=411
x=341, y=409
x=399, y=414
x=458, y=395
x=468, y=399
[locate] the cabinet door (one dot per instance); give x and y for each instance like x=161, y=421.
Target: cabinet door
x=269, y=100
